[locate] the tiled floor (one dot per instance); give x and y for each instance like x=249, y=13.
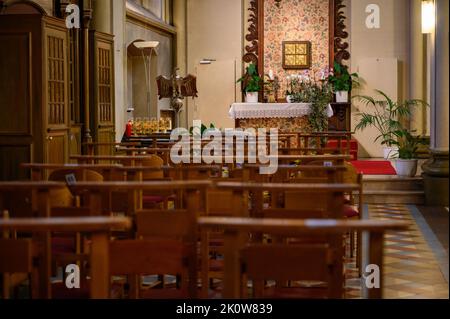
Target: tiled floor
x=415, y=264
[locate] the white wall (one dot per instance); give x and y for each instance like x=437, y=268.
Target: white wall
x=214, y=30
x=389, y=42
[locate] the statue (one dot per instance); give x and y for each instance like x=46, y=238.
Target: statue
x=177, y=88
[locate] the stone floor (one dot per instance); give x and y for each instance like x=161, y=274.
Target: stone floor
x=415, y=263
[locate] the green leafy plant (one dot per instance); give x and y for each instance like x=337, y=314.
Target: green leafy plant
x=408, y=144
x=251, y=80
x=319, y=94
x=385, y=116
x=202, y=129
x=342, y=80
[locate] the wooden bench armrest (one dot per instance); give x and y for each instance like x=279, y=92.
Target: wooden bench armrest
x=290, y=227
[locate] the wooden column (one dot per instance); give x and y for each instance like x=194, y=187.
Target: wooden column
x=87, y=17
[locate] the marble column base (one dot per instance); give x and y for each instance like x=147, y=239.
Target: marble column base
x=436, y=181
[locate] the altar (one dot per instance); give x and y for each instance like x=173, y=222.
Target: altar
x=287, y=117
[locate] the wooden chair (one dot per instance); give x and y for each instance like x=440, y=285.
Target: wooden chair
x=234, y=229
x=219, y=203
x=165, y=244
x=286, y=263
x=16, y=257
x=154, y=199
x=306, y=208
x=98, y=227
x=353, y=209
x=106, y=148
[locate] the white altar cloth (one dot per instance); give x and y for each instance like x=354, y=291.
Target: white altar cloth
x=271, y=110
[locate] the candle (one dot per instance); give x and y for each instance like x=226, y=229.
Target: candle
x=271, y=75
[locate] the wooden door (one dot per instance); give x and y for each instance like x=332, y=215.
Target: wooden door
x=102, y=90
x=16, y=131
x=217, y=81
x=55, y=88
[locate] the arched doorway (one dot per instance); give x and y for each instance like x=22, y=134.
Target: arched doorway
x=141, y=84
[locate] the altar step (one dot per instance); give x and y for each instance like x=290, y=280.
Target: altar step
x=393, y=190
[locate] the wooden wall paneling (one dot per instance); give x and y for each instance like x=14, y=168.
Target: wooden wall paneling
x=20, y=92
x=33, y=91
x=102, y=90
x=75, y=137
x=15, y=109
x=56, y=93
x=341, y=120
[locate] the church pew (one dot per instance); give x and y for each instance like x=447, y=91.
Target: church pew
x=236, y=228
x=98, y=227
x=305, y=159
x=93, y=159
x=166, y=242
x=96, y=191
x=115, y=172
x=164, y=153
x=39, y=171
x=239, y=198
x=39, y=195
x=93, y=148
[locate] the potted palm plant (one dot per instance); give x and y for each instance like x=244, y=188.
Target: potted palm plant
x=342, y=82
x=252, y=84
x=385, y=116
x=408, y=144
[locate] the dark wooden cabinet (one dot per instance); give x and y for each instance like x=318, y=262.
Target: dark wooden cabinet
x=102, y=90
x=341, y=120
x=34, y=118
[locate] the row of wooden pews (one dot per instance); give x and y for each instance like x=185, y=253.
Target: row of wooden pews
x=126, y=220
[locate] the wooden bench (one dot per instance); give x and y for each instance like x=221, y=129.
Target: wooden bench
x=235, y=228
x=98, y=148
x=99, y=227
x=39, y=171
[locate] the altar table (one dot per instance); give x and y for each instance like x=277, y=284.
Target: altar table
x=287, y=117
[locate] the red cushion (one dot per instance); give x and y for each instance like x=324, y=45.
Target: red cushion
x=63, y=245
x=296, y=293
x=353, y=147
x=216, y=265
x=350, y=212
x=148, y=199
x=334, y=144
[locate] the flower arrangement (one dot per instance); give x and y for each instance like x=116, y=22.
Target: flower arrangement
x=303, y=89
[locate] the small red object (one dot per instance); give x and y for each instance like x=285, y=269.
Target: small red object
x=129, y=129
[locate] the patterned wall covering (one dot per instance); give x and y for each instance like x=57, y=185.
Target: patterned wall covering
x=295, y=20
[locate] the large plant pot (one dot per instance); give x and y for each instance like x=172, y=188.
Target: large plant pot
x=406, y=168
x=390, y=152
x=342, y=97
x=251, y=97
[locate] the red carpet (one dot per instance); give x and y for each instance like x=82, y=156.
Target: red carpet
x=374, y=167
